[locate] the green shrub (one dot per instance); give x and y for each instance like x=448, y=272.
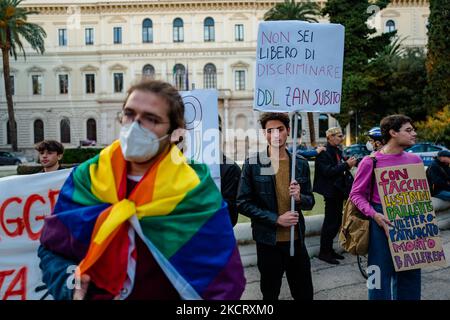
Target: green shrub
x=79, y=155
x=31, y=169
x=26, y=169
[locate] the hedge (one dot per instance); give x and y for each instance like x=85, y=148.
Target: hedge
x=28, y=169
x=71, y=158
x=79, y=155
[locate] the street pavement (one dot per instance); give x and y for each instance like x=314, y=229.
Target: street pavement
x=345, y=282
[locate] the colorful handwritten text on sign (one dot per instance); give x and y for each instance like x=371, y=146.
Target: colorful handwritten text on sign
x=299, y=67
x=414, y=237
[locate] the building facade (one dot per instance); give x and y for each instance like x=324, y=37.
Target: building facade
x=96, y=49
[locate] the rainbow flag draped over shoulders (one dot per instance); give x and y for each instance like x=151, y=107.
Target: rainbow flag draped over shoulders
x=176, y=209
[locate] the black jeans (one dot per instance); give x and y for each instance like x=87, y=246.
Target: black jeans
x=331, y=223
x=273, y=261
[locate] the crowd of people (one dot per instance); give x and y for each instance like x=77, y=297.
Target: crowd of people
x=265, y=190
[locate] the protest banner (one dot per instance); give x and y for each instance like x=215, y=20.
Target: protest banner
x=414, y=238
x=299, y=67
x=24, y=201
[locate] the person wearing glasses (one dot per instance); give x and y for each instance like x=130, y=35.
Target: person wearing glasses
x=398, y=133
x=333, y=180
x=139, y=220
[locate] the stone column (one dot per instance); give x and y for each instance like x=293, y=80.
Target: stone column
x=348, y=134
x=225, y=77
x=225, y=122
x=195, y=79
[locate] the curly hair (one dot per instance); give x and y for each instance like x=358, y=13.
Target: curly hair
x=268, y=116
x=393, y=122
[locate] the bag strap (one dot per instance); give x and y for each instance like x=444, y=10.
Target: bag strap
x=374, y=164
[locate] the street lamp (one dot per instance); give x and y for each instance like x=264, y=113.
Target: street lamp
x=349, y=133
x=355, y=113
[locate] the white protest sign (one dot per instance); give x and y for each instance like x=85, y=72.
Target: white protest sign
x=299, y=67
x=24, y=201
x=202, y=123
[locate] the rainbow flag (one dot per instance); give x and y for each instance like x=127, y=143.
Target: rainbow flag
x=176, y=209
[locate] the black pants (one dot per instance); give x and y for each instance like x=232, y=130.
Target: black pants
x=273, y=261
x=331, y=223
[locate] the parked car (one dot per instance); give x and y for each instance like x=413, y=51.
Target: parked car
x=426, y=150
x=355, y=150
x=9, y=158
x=309, y=153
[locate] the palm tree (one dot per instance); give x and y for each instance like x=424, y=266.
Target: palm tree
x=13, y=29
x=291, y=10
x=393, y=49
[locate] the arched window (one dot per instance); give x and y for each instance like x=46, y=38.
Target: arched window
x=209, y=76
x=179, y=75
x=147, y=31
x=38, y=129
x=209, y=29
x=65, y=130
x=91, y=128
x=299, y=128
x=178, y=31
x=148, y=71
x=323, y=125
x=9, y=133
x=390, y=26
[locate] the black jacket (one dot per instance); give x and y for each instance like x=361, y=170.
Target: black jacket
x=257, y=196
x=230, y=174
x=330, y=175
x=438, y=175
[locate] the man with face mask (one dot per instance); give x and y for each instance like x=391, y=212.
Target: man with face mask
x=139, y=220
x=375, y=141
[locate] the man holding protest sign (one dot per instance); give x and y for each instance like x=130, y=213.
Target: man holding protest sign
x=264, y=196
x=138, y=220
x=398, y=134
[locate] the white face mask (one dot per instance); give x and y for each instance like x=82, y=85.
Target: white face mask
x=369, y=146
x=138, y=144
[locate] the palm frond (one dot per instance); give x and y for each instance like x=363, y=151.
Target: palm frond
x=14, y=28
x=291, y=10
